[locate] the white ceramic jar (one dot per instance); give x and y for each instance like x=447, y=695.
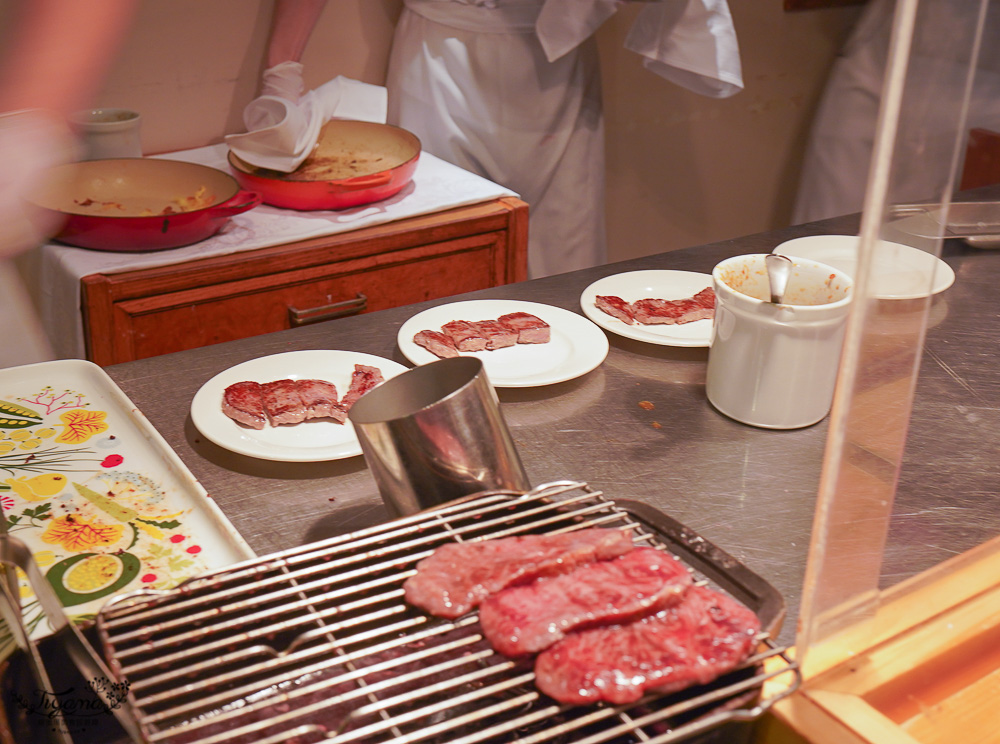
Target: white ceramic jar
x=108, y=133
x=775, y=365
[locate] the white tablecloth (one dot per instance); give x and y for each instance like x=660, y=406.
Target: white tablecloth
x=52, y=272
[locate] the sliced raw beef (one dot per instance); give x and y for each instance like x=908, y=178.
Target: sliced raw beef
x=436, y=343
x=530, y=328
x=692, y=642
x=497, y=335
x=615, y=307
x=244, y=402
x=363, y=379
x=653, y=311
x=527, y=619
x=458, y=576
x=465, y=335
x=283, y=403
x=320, y=400
x=705, y=298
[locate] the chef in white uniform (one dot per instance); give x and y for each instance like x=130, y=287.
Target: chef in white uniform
x=511, y=90
x=835, y=170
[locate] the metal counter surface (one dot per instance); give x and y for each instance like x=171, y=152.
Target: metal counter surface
x=750, y=491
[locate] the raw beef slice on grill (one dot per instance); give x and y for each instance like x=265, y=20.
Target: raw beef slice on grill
x=458, y=576
x=436, y=343
x=692, y=642
x=465, y=335
x=320, y=400
x=244, y=402
x=363, y=379
x=530, y=328
x=283, y=403
x=615, y=307
x=527, y=619
x=497, y=335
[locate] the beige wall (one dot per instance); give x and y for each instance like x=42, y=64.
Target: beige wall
x=683, y=169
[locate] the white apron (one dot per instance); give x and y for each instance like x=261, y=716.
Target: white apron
x=842, y=139
x=511, y=90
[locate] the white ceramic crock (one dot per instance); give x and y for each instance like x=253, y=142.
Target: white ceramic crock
x=108, y=133
x=775, y=365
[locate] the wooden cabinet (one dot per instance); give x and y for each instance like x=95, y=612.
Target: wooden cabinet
x=146, y=312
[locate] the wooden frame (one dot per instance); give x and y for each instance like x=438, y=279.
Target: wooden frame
x=924, y=669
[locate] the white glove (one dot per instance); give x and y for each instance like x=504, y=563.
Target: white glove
x=283, y=124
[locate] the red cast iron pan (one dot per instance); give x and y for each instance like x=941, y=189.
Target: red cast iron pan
x=140, y=204
x=354, y=163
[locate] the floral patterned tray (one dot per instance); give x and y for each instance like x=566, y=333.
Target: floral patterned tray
x=100, y=498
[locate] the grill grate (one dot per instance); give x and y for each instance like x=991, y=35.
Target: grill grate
x=317, y=644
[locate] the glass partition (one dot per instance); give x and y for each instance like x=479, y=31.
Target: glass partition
x=863, y=523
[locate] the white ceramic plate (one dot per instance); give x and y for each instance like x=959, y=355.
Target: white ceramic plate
x=899, y=272
x=638, y=285
x=310, y=441
x=576, y=347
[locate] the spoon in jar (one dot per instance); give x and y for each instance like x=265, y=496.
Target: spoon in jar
x=779, y=268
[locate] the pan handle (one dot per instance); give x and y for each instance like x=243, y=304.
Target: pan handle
x=242, y=202
x=368, y=182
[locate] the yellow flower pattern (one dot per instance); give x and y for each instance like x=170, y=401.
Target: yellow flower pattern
x=81, y=425
x=98, y=512
x=78, y=534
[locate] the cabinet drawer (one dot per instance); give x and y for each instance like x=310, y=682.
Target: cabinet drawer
x=233, y=310
x=167, y=309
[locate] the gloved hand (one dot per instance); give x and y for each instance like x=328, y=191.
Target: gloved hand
x=283, y=124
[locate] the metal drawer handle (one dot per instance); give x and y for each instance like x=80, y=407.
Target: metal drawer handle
x=342, y=309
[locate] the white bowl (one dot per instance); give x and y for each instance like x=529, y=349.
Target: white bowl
x=899, y=272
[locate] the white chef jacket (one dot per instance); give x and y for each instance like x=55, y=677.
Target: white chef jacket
x=511, y=90
x=838, y=155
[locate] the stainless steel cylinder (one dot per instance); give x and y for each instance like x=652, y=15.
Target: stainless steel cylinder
x=436, y=433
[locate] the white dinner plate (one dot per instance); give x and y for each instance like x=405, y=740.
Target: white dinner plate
x=899, y=271
x=311, y=441
x=639, y=285
x=576, y=347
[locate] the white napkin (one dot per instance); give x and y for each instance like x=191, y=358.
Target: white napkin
x=283, y=124
x=690, y=42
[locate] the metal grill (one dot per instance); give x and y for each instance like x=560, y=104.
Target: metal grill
x=317, y=644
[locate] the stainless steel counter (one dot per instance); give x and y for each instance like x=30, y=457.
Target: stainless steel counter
x=750, y=491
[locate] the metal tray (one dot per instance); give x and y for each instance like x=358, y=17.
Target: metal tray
x=318, y=643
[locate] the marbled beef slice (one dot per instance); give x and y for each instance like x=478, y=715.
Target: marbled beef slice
x=363, y=379
x=529, y=618
x=692, y=642
x=283, y=403
x=465, y=335
x=530, y=328
x=616, y=307
x=497, y=335
x=458, y=576
x=320, y=400
x=243, y=402
x=436, y=343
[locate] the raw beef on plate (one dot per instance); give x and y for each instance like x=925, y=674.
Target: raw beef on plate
x=244, y=402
